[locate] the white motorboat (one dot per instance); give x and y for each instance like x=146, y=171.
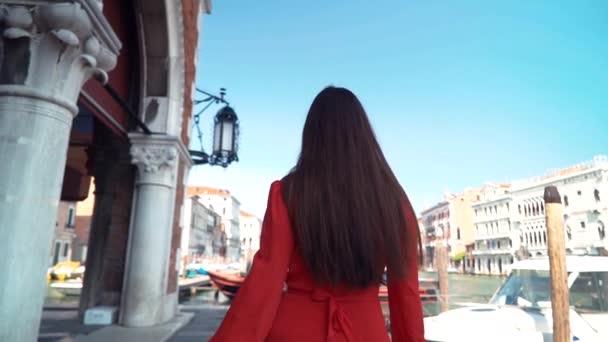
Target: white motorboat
x=520, y=310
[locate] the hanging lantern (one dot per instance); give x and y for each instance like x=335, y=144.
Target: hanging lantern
x=225, y=136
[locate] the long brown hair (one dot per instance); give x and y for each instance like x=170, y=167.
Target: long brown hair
x=345, y=203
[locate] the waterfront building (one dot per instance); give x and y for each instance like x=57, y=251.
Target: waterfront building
x=199, y=225
x=228, y=207
x=450, y=222
x=493, y=230
x=510, y=222
x=250, y=230
x=61, y=250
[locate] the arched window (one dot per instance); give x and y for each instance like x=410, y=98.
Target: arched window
x=458, y=233
x=566, y=201
x=601, y=230
x=545, y=238
x=569, y=232
x=596, y=194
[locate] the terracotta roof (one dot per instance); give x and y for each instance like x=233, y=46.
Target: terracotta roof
x=246, y=214
x=205, y=190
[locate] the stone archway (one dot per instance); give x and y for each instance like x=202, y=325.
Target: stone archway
x=162, y=159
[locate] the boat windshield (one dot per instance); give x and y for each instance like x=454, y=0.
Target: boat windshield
x=532, y=288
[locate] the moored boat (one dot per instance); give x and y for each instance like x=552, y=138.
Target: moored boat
x=428, y=289
x=228, y=283
x=520, y=310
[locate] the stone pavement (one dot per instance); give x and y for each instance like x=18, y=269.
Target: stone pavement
x=197, y=322
x=202, y=326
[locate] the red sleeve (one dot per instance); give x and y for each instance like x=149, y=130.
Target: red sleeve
x=253, y=311
x=404, y=297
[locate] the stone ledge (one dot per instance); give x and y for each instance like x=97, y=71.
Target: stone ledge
x=157, y=333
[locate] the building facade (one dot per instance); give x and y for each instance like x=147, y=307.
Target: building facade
x=493, y=230
x=251, y=230
x=198, y=229
x=451, y=223
x=229, y=208
x=63, y=239
x=584, y=191
x=510, y=222
x=435, y=222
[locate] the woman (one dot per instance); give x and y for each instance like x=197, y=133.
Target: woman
x=331, y=227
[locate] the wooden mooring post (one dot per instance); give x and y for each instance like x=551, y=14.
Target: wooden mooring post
x=557, y=260
x=441, y=262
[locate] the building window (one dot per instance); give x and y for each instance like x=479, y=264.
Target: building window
x=583, y=224
x=569, y=232
x=579, y=193
x=601, y=230
x=71, y=217
x=498, y=244
x=566, y=201
x=66, y=248
x=545, y=238
x=458, y=233
x=542, y=207
x=596, y=194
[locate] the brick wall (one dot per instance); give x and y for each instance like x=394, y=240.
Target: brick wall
x=191, y=12
x=176, y=237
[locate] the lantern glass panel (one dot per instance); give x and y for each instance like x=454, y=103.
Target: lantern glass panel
x=227, y=136
x=217, y=136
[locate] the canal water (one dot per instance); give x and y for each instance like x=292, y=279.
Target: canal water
x=462, y=290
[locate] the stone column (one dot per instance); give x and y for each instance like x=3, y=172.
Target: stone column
x=145, y=301
x=48, y=49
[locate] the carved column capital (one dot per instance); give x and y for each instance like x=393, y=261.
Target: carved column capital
x=153, y=158
x=157, y=158
x=50, y=48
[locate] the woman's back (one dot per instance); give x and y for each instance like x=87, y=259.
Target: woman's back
x=331, y=227
x=267, y=310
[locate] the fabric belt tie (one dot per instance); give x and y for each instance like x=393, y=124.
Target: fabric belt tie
x=338, y=322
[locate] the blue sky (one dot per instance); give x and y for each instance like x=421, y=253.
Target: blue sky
x=459, y=92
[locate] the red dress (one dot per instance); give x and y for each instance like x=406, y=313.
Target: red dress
x=264, y=311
